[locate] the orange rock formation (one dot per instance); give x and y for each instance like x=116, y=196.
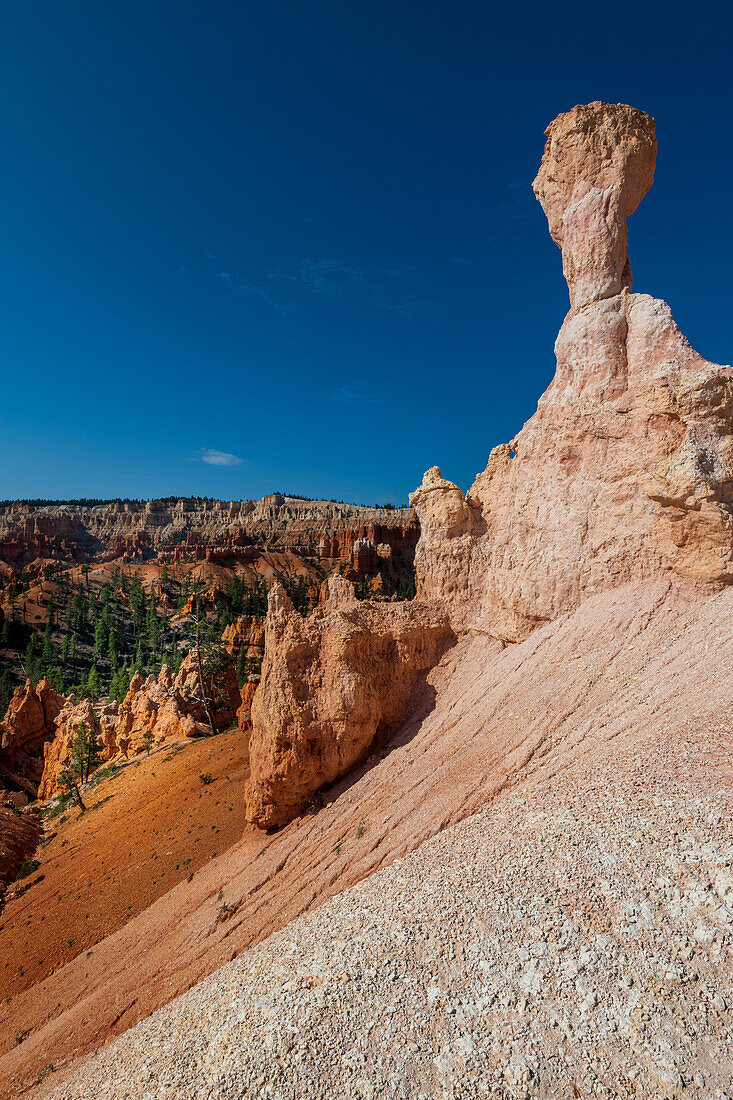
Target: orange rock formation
x=600, y=543
x=168, y=707
x=625, y=472
x=333, y=686
x=29, y=723
x=626, y=469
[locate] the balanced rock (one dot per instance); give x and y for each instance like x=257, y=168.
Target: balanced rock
x=597, y=166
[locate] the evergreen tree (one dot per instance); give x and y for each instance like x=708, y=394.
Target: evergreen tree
x=241, y=668
x=48, y=652
x=112, y=652
x=31, y=669
x=92, y=686
x=101, y=636
x=84, y=752
x=56, y=679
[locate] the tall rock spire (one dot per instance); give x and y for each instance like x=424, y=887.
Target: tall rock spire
x=625, y=472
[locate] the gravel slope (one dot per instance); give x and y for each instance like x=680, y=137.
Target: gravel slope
x=574, y=940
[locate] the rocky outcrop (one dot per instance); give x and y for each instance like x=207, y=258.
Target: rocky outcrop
x=71, y=719
x=597, y=166
x=29, y=723
x=248, y=633
x=586, y=903
x=334, y=687
x=626, y=469
x=625, y=472
x=165, y=706
x=168, y=707
x=244, y=712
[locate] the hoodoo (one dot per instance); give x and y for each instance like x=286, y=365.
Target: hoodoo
x=624, y=473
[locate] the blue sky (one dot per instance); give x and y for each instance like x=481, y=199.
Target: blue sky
x=293, y=245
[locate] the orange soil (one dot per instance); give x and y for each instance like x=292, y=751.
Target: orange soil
x=146, y=829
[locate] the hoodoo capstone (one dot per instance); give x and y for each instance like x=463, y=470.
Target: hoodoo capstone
x=597, y=167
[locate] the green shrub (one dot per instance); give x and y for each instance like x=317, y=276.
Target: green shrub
x=27, y=867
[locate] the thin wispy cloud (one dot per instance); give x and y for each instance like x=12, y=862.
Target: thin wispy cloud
x=288, y=289
x=219, y=458
x=353, y=393
x=328, y=276
x=259, y=289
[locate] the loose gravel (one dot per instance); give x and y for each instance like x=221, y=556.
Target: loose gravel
x=574, y=940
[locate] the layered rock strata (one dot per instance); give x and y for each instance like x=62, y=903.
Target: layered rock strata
x=214, y=529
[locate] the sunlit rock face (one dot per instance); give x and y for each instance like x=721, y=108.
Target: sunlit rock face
x=626, y=469
x=597, y=166
x=624, y=473
x=28, y=725
x=333, y=686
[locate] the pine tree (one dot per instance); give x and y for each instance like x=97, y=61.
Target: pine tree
x=101, y=636
x=241, y=667
x=92, y=687
x=56, y=679
x=48, y=652
x=31, y=669
x=6, y=691
x=84, y=759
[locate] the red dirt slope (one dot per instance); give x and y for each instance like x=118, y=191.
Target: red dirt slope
x=147, y=827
